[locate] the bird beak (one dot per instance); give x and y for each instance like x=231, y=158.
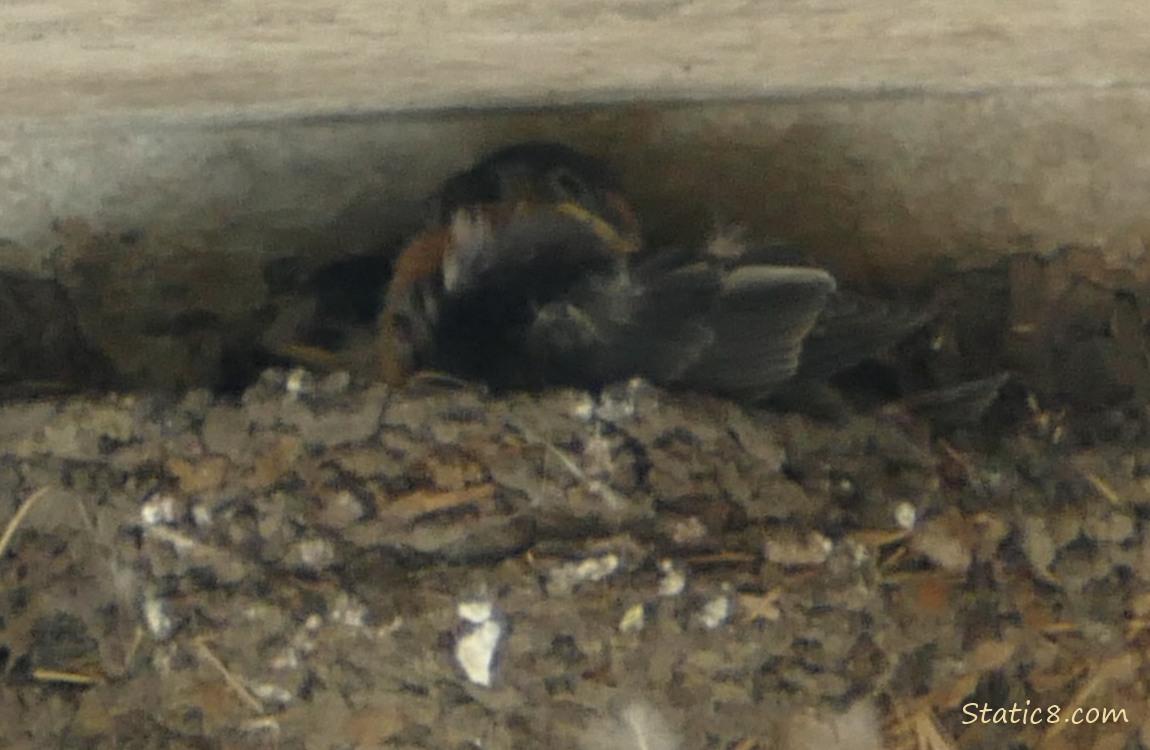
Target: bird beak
x=622, y=242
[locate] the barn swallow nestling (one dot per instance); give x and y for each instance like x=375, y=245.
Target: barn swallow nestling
x=495, y=231
x=532, y=273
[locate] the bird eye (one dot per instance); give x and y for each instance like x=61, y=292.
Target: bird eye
x=569, y=186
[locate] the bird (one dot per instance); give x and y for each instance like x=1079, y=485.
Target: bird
x=506, y=233
x=531, y=271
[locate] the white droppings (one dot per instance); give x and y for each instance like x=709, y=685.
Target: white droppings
x=389, y=628
x=288, y=658
x=796, y=549
x=615, y=405
x=688, y=530
x=349, y=611
x=633, y=619
x=158, y=618
x=715, y=612
x=598, y=568
x=475, y=611
x=346, y=505
x=202, y=514
x=565, y=578
x=161, y=509
x=475, y=651
x=269, y=693
x=584, y=408
x=298, y=383
x=181, y=543
x=673, y=581
x=268, y=726
x=905, y=515
x=315, y=553
x=860, y=554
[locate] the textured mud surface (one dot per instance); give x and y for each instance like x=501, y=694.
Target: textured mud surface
x=320, y=563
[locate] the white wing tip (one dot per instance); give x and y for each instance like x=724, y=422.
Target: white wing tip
x=764, y=274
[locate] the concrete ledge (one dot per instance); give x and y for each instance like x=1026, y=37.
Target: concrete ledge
x=883, y=137
x=206, y=58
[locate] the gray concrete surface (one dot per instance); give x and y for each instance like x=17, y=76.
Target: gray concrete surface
x=879, y=187
x=208, y=58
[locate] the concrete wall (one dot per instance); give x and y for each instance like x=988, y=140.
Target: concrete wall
x=889, y=129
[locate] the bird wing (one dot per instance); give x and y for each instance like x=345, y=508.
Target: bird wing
x=852, y=328
x=682, y=319
x=661, y=327
x=759, y=321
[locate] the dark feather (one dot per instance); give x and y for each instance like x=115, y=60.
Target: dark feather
x=962, y=404
x=762, y=317
x=697, y=324
x=853, y=328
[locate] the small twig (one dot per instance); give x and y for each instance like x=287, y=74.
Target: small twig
x=1104, y=488
x=1058, y=628
x=133, y=647
x=15, y=521
x=725, y=557
x=437, y=378
x=972, y=475
x=269, y=724
x=928, y=732
x=894, y=559
x=68, y=678
x=416, y=505
x=85, y=514
x=235, y=683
